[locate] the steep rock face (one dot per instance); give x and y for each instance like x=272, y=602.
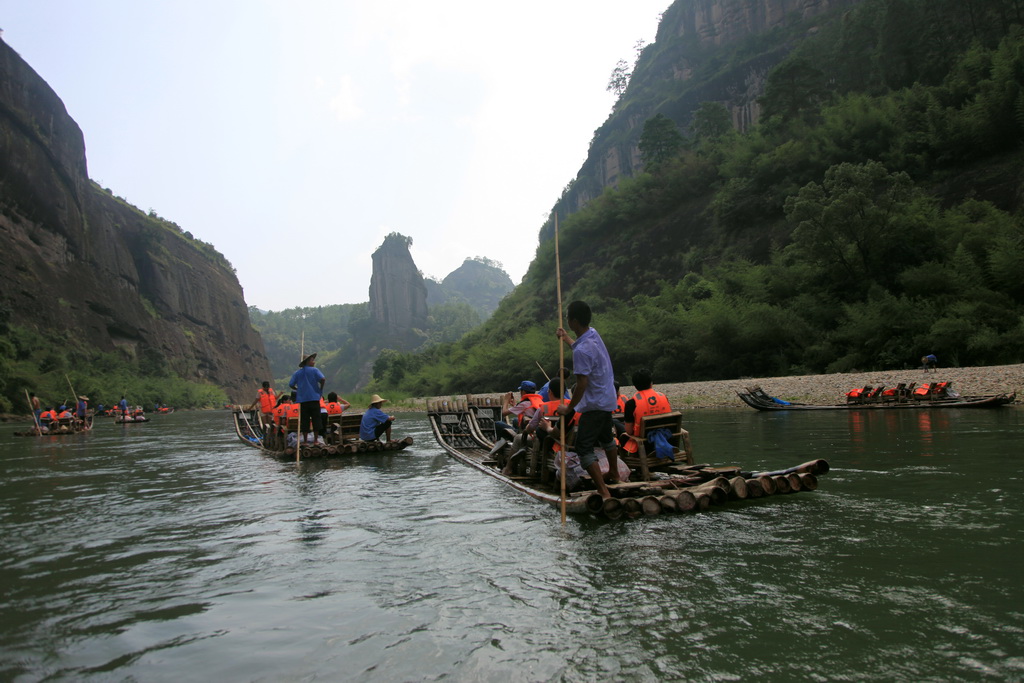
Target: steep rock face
x=691, y=35
x=75, y=259
x=398, y=295
x=720, y=22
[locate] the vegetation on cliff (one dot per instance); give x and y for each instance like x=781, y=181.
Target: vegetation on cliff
x=871, y=217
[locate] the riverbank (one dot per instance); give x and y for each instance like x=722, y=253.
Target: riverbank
x=992, y=379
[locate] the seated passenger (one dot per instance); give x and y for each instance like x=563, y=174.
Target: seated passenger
x=645, y=402
x=375, y=422
x=517, y=413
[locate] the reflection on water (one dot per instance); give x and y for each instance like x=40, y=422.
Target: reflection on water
x=167, y=551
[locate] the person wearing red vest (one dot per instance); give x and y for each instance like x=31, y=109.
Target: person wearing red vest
x=266, y=399
x=336, y=405
x=645, y=402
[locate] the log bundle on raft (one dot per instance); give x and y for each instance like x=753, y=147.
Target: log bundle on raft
x=702, y=488
x=322, y=450
x=466, y=429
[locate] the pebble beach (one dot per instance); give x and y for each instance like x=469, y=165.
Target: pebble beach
x=972, y=381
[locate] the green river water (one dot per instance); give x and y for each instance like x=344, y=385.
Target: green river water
x=169, y=551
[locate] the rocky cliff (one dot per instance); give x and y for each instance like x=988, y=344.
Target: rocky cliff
x=695, y=58
x=79, y=264
x=398, y=295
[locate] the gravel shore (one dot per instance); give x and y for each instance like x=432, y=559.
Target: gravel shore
x=993, y=379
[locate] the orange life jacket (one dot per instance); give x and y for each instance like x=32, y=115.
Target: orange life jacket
x=335, y=408
x=267, y=400
x=620, y=404
x=279, y=413
x=293, y=410
x=923, y=390
x=64, y=415
x=536, y=401
x=48, y=415
x=648, y=402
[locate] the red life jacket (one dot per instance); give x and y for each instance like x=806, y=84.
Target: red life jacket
x=648, y=402
x=267, y=400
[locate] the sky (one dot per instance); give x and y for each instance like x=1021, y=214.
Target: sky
x=295, y=135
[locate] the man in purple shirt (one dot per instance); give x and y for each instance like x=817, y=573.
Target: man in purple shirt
x=594, y=396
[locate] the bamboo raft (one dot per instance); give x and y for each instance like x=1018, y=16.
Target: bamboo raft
x=465, y=430
x=902, y=397
x=342, y=438
x=64, y=427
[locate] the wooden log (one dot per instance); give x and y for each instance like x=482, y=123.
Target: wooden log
x=794, y=482
x=808, y=481
x=686, y=501
x=738, y=488
x=362, y=446
x=767, y=485
x=650, y=505
x=703, y=502
x=668, y=504
x=754, y=489
x=332, y=450
x=781, y=484
x=612, y=508
x=632, y=508
x=594, y=503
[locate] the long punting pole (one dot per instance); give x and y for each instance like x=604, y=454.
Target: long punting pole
x=542, y=370
x=298, y=424
x=561, y=363
x=74, y=397
x=39, y=429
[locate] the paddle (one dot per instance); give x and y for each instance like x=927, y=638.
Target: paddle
x=561, y=364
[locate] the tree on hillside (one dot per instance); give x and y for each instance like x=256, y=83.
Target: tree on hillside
x=794, y=87
x=711, y=120
x=659, y=141
x=619, y=80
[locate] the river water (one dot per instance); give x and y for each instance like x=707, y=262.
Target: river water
x=169, y=551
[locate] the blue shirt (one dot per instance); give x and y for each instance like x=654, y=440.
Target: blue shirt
x=306, y=382
x=590, y=358
x=368, y=425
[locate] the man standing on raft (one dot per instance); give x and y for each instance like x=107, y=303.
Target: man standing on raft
x=308, y=383
x=594, y=396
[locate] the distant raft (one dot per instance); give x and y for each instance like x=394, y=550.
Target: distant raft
x=61, y=427
x=465, y=429
x=901, y=397
x=342, y=437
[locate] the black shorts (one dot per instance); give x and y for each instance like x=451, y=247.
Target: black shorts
x=309, y=416
x=595, y=428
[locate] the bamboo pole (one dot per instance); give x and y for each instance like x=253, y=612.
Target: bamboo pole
x=561, y=364
x=542, y=370
x=39, y=429
x=298, y=426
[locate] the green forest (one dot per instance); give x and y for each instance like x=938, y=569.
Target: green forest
x=873, y=215
x=53, y=367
